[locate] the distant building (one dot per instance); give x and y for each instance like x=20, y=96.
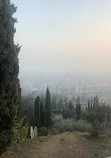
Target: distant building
x=84, y=105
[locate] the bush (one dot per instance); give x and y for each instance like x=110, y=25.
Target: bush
x=106, y=128
x=72, y=125
x=20, y=130
x=82, y=126
x=43, y=131
x=91, y=117
x=95, y=131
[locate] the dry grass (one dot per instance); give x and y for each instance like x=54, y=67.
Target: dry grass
x=67, y=145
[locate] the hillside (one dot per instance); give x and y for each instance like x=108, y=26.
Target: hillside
x=66, y=145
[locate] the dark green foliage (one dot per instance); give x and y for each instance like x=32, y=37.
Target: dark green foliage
x=37, y=111
x=70, y=105
x=68, y=111
x=42, y=114
x=95, y=131
x=60, y=105
x=20, y=105
x=43, y=131
x=99, y=116
x=78, y=109
x=66, y=103
x=54, y=103
x=57, y=105
x=28, y=109
x=9, y=69
x=92, y=117
x=63, y=113
x=89, y=105
x=97, y=113
x=48, y=116
x=96, y=103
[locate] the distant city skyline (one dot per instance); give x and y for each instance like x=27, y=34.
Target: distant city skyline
x=67, y=85
x=64, y=35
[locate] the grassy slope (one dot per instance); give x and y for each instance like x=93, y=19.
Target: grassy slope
x=66, y=145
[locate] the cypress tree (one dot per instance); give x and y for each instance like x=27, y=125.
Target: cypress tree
x=54, y=103
x=9, y=69
x=89, y=105
x=60, y=105
x=63, y=113
x=37, y=111
x=78, y=109
x=48, y=109
x=96, y=103
x=42, y=114
x=42, y=111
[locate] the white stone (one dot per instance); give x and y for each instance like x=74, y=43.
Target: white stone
x=31, y=132
x=35, y=131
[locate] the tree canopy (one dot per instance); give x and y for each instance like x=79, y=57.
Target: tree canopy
x=9, y=69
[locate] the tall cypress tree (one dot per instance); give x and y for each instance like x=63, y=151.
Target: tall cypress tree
x=78, y=109
x=89, y=105
x=37, y=111
x=48, y=109
x=54, y=103
x=9, y=69
x=42, y=114
x=96, y=103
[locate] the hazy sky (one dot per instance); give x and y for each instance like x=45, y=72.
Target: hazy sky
x=64, y=35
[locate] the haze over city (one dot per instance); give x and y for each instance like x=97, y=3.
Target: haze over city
x=61, y=35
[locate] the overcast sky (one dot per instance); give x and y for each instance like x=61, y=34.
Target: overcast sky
x=64, y=35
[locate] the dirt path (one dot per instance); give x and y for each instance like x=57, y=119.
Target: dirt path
x=68, y=145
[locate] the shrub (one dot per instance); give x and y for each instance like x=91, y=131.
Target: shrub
x=106, y=128
x=72, y=125
x=20, y=130
x=43, y=131
x=82, y=126
x=95, y=131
